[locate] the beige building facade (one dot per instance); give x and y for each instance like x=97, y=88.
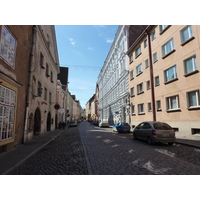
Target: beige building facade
x=164, y=78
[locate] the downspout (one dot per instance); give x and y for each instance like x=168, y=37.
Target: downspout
x=151, y=77
x=34, y=30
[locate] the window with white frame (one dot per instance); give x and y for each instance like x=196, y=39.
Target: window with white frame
x=131, y=74
x=157, y=81
x=155, y=57
x=149, y=107
x=190, y=64
x=170, y=74
x=139, y=88
x=131, y=58
x=193, y=99
x=7, y=110
x=168, y=47
x=141, y=108
x=163, y=27
x=145, y=43
x=158, y=105
x=153, y=35
x=172, y=103
x=139, y=69
x=138, y=51
x=133, y=109
x=148, y=85
x=7, y=46
x=146, y=63
x=186, y=33
x=132, y=91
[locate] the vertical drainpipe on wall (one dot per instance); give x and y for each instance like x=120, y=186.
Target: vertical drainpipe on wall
x=34, y=30
x=151, y=77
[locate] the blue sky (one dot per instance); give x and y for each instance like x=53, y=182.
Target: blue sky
x=83, y=49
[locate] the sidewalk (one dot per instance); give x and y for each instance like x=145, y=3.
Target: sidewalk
x=11, y=160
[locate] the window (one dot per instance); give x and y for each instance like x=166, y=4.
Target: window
x=193, y=99
x=45, y=93
x=170, y=74
x=141, y=108
x=190, y=64
x=49, y=97
x=131, y=74
x=139, y=88
x=163, y=27
x=146, y=63
x=186, y=34
x=158, y=105
x=132, y=91
x=47, y=70
x=148, y=85
x=39, y=91
x=157, y=81
x=7, y=46
x=131, y=58
x=167, y=47
x=172, y=103
x=145, y=43
x=149, y=107
x=133, y=109
x=153, y=35
x=41, y=60
x=138, y=51
x=52, y=77
x=139, y=69
x=155, y=57
x=7, y=110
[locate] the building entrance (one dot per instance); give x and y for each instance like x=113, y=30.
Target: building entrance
x=37, y=122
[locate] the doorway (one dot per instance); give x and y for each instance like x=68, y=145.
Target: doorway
x=37, y=122
x=49, y=122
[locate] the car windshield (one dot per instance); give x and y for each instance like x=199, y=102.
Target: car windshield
x=162, y=126
x=125, y=124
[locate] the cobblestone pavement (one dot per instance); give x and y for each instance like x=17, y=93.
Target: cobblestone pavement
x=88, y=149
x=63, y=156
x=114, y=154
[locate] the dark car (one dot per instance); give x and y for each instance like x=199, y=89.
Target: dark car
x=154, y=132
x=121, y=127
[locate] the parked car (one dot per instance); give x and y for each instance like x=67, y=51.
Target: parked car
x=73, y=123
x=154, y=132
x=121, y=127
x=104, y=124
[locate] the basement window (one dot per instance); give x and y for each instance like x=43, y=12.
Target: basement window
x=195, y=131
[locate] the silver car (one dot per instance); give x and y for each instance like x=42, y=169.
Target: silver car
x=154, y=132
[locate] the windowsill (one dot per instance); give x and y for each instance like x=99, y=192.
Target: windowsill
x=131, y=79
x=42, y=67
x=130, y=62
x=132, y=96
x=133, y=114
x=168, y=54
x=140, y=93
x=184, y=43
x=171, y=81
x=139, y=74
x=142, y=113
x=155, y=61
x=159, y=110
x=191, y=73
x=164, y=30
x=194, y=108
x=174, y=110
x=157, y=85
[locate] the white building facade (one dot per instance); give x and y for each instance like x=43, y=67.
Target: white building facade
x=113, y=81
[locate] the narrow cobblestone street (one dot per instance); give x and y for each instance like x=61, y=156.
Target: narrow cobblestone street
x=88, y=149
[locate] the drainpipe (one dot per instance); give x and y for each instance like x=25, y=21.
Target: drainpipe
x=151, y=76
x=34, y=30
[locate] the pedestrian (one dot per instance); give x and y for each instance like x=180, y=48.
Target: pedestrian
x=60, y=125
x=63, y=125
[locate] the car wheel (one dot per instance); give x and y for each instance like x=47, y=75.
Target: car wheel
x=134, y=136
x=149, y=140
x=170, y=143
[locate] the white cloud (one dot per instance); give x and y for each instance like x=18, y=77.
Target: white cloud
x=90, y=48
x=72, y=41
x=109, y=40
